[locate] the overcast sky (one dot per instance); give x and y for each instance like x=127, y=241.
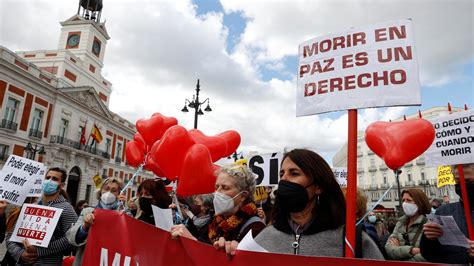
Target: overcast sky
x=245, y=54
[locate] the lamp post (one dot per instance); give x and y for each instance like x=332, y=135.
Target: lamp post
x=235, y=155
x=194, y=103
x=397, y=176
x=33, y=150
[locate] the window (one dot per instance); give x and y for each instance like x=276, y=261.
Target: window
x=359, y=164
x=104, y=172
x=422, y=175
x=11, y=110
x=372, y=162
x=4, y=152
x=37, y=121
x=88, y=193
x=133, y=193
x=115, y=174
x=63, y=128
x=108, y=143
x=119, y=151
x=409, y=175
x=385, y=178
x=372, y=179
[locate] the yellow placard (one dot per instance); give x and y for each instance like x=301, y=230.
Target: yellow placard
x=97, y=181
x=445, y=176
x=242, y=162
x=260, y=194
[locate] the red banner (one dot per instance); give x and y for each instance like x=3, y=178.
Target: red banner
x=117, y=239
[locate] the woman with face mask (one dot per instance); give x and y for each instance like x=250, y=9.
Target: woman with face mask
x=109, y=198
x=404, y=242
x=235, y=211
x=309, y=211
x=151, y=192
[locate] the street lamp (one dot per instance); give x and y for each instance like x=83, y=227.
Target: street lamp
x=32, y=151
x=194, y=103
x=235, y=155
x=397, y=176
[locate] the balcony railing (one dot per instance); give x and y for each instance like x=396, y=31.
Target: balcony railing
x=359, y=154
x=7, y=124
x=409, y=164
x=370, y=152
x=360, y=169
x=410, y=183
x=35, y=133
x=372, y=168
x=77, y=145
x=382, y=167
x=118, y=159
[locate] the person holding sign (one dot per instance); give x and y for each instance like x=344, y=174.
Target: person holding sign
x=430, y=246
x=108, y=197
x=24, y=253
x=235, y=211
x=152, y=192
x=309, y=211
x=404, y=242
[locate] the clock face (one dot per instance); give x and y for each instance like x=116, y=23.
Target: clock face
x=73, y=40
x=96, y=47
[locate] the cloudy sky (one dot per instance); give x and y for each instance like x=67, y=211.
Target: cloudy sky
x=245, y=54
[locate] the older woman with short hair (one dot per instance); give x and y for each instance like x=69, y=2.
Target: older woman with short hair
x=109, y=197
x=235, y=211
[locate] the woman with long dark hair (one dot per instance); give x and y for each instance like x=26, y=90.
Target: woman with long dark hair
x=309, y=212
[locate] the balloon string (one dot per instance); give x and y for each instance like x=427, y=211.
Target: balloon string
x=375, y=205
x=129, y=183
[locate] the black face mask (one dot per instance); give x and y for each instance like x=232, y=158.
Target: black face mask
x=145, y=205
x=292, y=197
x=470, y=193
x=134, y=212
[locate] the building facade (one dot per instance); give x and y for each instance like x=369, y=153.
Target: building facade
x=375, y=178
x=54, y=109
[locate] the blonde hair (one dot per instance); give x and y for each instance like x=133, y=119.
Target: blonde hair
x=108, y=181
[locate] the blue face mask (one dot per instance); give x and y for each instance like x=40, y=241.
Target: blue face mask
x=433, y=210
x=372, y=219
x=49, y=187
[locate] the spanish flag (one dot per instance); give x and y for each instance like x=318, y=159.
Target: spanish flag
x=95, y=134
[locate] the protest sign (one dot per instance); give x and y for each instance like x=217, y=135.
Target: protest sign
x=36, y=223
x=260, y=195
x=373, y=66
x=37, y=189
x=454, y=140
x=117, y=239
x=445, y=176
x=341, y=175
x=97, y=181
x=19, y=178
x=267, y=168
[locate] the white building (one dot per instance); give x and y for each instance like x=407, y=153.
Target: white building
x=374, y=177
x=48, y=97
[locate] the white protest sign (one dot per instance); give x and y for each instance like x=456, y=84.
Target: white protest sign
x=36, y=223
x=341, y=175
x=163, y=218
x=266, y=167
x=454, y=140
x=373, y=66
x=18, y=177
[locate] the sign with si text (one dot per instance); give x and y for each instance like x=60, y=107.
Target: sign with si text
x=373, y=66
x=19, y=178
x=454, y=140
x=36, y=223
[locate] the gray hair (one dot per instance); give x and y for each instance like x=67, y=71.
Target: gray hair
x=244, y=179
x=108, y=181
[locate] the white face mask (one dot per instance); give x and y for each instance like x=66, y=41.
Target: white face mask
x=223, y=203
x=108, y=198
x=409, y=209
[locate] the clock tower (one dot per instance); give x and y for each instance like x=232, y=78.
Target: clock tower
x=84, y=35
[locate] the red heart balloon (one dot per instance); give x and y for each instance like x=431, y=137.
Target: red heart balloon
x=167, y=123
x=197, y=174
x=151, y=165
x=217, y=145
x=232, y=139
x=134, y=153
x=169, y=152
x=139, y=140
x=149, y=128
x=399, y=142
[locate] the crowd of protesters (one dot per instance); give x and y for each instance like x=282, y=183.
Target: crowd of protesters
x=304, y=216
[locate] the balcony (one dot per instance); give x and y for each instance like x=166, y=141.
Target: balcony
x=370, y=152
x=76, y=145
x=409, y=164
x=384, y=186
x=409, y=183
x=372, y=168
x=359, y=154
x=35, y=133
x=420, y=161
x=383, y=167
x=10, y=125
x=373, y=187
x=118, y=160
x=360, y=170
x=423, y=183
